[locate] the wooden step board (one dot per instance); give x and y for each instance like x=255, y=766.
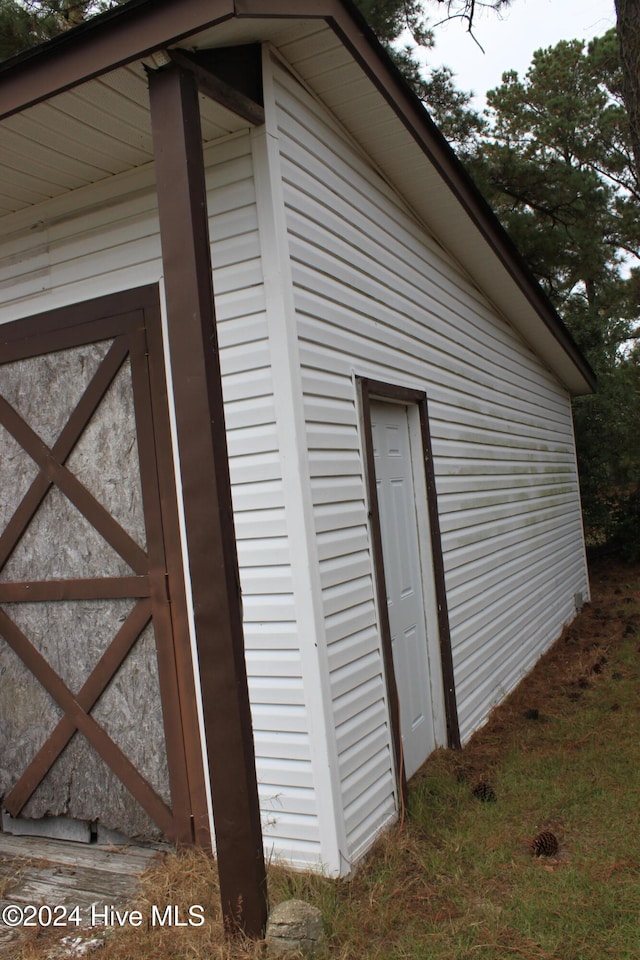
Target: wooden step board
x=35, y=870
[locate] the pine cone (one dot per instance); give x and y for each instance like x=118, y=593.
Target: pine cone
x=545, y=844
x=484, y=791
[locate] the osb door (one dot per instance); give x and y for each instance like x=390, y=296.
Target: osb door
x=95, y=700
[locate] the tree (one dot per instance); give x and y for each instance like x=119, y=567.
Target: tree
x=628, y=17
x=466, y=10
x=391, y=20
x=556, y=163
x=26, y=23
x=557, y=166
x=16, y=29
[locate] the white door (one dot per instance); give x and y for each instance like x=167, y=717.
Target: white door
x=403, y=578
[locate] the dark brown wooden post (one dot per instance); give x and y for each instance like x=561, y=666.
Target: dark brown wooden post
x=204, y=466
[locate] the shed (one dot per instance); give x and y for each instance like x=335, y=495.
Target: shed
x=288, y=482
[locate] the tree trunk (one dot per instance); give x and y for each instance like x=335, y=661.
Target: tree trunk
x=628, y=14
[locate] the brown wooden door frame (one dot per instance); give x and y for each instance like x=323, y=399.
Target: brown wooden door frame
x=132, y=321
x=378, y=390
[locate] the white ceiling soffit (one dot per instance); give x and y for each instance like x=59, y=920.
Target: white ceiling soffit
x=84, y=135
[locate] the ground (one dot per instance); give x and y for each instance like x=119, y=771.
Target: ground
x=457, y=878
x=572, y=666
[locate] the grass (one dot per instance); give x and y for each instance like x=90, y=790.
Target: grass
x=457, y=880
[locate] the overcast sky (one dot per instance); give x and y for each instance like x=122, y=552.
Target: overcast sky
x=510, y=38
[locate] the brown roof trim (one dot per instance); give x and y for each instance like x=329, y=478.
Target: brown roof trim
x=102, y=43
x=383, y=73
x=135, y=29
x=367, y=50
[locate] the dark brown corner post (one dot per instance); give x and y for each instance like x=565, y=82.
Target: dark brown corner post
x=204, y=469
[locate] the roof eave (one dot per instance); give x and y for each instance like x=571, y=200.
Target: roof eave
x=112, y=39
x=384, y=74
x=138, y=28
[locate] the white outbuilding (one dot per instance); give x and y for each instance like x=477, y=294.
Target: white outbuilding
x=288, y=487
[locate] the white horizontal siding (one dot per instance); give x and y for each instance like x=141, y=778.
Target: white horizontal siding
x=111, y=242
x=376, y=295
x=272, y=643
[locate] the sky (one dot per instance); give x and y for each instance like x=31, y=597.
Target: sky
x=510, y=38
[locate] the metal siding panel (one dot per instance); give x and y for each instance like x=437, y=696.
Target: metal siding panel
x=291, y=719
x=336, y=489
x=355, y=590
x=109, y=115
x=375, y=294
x=373, y=771
x=340, y=543
x=310, y=38
x=360, y=645
x=287, y=794
x=358, y=698
x=364, y=824
x=350, y=646
x=363, y=751
x=332, y=516
x=343, y=570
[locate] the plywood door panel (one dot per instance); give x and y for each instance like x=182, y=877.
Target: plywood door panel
x=90, y=717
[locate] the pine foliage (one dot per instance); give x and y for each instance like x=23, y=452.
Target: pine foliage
x=27, y=23
x=556, y=163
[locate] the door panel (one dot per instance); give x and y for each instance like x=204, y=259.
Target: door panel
x=90, y=718
x=403, y=578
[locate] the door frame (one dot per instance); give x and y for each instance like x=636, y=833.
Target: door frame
x=369, y=390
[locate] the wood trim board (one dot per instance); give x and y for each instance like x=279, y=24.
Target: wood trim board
x=206, y=494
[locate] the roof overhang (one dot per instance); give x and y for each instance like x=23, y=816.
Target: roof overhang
x=335, y=52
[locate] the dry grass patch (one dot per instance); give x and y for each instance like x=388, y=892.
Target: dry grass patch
x=458, y=881
x=182, y=880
